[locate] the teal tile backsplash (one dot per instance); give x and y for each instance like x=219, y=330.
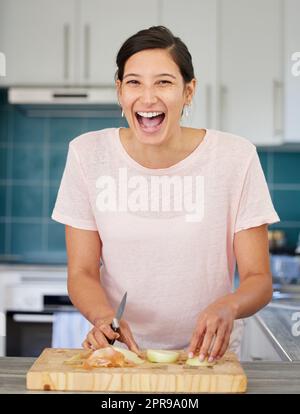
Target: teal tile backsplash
x=33, y=152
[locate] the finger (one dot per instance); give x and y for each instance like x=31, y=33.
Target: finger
x=196, y=341
x=93, y=341
x=86, y=344
x=207, y=343
x=127, y=338
x=133, y=346
x=218, y=343
x=225, y=345
x=108, y=331
x=100, y=338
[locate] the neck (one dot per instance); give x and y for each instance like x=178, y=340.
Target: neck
x=171, y=145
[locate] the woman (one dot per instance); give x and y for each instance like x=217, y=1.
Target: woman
x=175, y=257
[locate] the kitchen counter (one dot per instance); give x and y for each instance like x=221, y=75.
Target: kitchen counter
x=263, y=377
x=281, y=323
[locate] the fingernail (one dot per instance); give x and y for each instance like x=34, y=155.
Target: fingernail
x=201, y=357
x=191, y=354
x=210, y=359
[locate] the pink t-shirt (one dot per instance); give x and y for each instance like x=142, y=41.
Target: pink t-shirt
x=167, y=233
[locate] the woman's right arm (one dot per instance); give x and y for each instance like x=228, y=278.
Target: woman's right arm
x=84, y=248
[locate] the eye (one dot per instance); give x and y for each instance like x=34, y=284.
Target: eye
x=134, y=82
x=164, y=81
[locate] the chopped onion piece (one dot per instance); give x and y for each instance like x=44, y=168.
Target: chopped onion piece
x=195, y=362
x=129, y=355
x=157, y=355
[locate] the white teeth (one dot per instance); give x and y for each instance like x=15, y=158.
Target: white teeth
x=149, y=114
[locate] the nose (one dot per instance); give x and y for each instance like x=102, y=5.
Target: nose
x=148, y=96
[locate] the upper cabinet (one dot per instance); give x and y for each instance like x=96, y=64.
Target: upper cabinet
x=70, y=42
x=250, y=69
x=292, y=70
x=38, y=39
x=103, y=27
x=196, y=25
x=242, y=51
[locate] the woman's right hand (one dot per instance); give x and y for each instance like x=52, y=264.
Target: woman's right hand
x=99, y=335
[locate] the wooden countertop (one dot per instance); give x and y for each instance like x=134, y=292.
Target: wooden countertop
x=263, y=377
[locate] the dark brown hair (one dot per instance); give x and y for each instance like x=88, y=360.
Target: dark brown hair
x=156, y=37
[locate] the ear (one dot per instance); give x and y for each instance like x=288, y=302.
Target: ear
x=119, y=90
x=190, y=90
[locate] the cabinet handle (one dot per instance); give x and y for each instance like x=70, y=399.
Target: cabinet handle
x=208, y=104
x=223, y=102
x=277, y=108
x=87, y=36
x=66, y=50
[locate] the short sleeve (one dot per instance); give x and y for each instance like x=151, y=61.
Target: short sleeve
x=73, y=205
x=255, y=205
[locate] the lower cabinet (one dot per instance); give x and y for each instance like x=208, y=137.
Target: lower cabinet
x=256, y=344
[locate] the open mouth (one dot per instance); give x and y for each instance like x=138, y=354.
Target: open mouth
x=150, y=121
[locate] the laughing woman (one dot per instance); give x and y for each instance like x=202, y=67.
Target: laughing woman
x=168, y=210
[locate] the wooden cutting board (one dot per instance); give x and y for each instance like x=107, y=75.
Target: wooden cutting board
x=50, y=372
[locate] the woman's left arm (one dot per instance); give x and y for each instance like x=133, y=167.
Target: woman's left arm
x=215, y=323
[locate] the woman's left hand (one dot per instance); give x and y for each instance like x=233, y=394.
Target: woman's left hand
x=212, y=333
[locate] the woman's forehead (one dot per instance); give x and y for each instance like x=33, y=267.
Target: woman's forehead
x=152, y=62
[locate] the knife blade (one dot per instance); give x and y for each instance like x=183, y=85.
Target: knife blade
x=115, y=326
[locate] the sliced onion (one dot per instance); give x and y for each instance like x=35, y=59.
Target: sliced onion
x=157, y=355
x=195, y=362
x=129, y=355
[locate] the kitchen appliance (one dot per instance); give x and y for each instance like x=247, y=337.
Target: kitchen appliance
x=30, y=302
x=49, y=372
x=36, y=95
x=70, y=102
x=29, y=332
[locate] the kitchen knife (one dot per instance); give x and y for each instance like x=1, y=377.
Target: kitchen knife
x=115, y=322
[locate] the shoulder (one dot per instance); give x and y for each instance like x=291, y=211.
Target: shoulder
x=92, y=138
x=232, y=145
x=93, y=145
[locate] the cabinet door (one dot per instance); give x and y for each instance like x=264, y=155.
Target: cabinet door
x=250, y=51
x=196, y=25
x=37, y=39
x=103, y=27
x=292, y=70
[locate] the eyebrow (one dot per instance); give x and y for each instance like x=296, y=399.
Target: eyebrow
x=161, y=74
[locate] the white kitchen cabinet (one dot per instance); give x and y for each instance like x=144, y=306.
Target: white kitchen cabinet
x=256, y=345
x=250, y=69
x=37, y=37
x=103, y=27
x=292, y=70
x=196, y=24
x=70, y=42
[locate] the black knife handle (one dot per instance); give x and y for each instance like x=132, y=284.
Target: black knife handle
x=115, y=329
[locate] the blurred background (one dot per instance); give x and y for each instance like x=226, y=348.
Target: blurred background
x=59, y=58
